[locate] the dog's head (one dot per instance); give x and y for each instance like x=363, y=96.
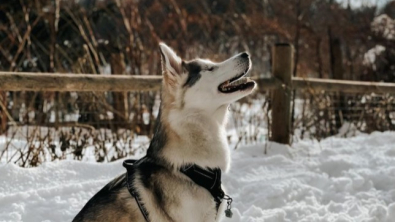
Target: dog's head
x=203, y=84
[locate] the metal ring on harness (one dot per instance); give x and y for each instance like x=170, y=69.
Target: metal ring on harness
x=128, y=163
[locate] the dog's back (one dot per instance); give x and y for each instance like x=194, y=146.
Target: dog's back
x=112, y=203
x=167, y=195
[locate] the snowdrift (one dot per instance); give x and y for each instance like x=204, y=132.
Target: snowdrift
x=336, y=179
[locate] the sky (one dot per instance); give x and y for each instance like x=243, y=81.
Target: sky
x=359, y=3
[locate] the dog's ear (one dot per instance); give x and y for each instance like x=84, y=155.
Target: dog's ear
x=171, y=63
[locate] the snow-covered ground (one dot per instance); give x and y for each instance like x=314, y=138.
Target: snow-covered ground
x=337, y=179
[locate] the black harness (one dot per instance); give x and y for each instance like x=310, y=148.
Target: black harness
x=210, y=179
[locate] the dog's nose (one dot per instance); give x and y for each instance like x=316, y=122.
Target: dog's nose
x=244, y=55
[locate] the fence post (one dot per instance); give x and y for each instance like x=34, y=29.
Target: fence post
x=339, y=102
x=120, y=98
x=281, y=98
x=3, y=116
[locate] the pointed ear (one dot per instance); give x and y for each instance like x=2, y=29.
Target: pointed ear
x=171, y=63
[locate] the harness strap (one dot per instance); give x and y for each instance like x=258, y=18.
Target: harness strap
x=210, y=179
x=129, y=165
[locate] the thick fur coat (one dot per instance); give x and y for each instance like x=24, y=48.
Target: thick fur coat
x=190, y=130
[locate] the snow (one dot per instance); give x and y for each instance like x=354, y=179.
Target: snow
x=384, y=25
x=371, y=55
x=337, y=179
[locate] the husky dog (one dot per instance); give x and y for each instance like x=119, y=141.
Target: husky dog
x=190, y=129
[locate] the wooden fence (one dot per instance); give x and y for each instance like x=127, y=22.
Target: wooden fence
x=281, y=86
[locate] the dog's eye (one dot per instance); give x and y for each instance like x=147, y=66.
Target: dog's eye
x=210, y=69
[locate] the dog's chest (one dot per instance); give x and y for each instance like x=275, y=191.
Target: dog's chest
x=179, y=199
x=196, y=205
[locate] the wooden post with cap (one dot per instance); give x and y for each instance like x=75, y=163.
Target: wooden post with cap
x=282, y=65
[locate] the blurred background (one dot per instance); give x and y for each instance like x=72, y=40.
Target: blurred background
x=105, y=37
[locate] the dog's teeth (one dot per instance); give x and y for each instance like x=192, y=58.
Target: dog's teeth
x=229, y=86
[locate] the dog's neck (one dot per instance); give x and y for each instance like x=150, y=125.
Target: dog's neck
x=192, y=136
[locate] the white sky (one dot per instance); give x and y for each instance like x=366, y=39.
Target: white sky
x=358, y=3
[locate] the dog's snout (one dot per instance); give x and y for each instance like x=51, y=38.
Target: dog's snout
x=244, y=55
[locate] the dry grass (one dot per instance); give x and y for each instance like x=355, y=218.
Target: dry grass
x=122, y=36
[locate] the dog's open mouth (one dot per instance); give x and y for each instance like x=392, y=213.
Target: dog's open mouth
x=238, y=83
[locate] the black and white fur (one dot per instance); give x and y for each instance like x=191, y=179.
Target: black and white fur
x=190, y=130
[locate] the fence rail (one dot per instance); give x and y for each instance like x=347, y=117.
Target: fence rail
x=332, y=85
x=18, y=81
x=281, y=86
x=15, y=81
